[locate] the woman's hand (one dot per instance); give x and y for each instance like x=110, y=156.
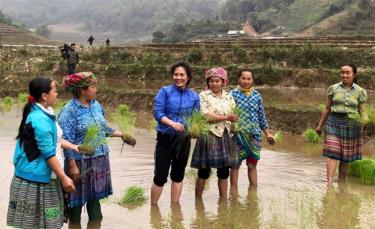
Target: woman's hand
x=177, y=126
x=76, y=148
x=74, y=171
x=232, y=118
x=319, y=130
x=68, y=184
x=270, y=139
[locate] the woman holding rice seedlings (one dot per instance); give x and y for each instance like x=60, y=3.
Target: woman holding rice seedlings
x=218, y=150
x=36, y=198
x=91, y=173
x=252, y=121
x=343, y=132
x=172, y=106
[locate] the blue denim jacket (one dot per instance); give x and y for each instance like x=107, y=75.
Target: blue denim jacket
x=175, y=104
x=75, y=119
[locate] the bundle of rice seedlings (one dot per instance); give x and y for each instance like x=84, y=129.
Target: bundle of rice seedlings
x=125, y=120
x=235, y=126
x=133, y=195
x=356, y=118
x=22, y=98
x=311, y=136
x=197, y=125
x=8, y=102
x=241, y=125
x=278, y=136
x=91, y=140
x=364, y=169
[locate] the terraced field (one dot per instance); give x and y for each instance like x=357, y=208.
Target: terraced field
x=13, y=35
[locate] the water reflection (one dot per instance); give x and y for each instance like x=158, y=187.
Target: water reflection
x=231, y=213
x=90, y=225
x=156, y=220
x=340, y=208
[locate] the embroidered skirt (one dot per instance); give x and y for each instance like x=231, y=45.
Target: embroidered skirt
x=247, y=147
x=35, y=205
x=343, y=139
x=215, y=152
x=95, y=181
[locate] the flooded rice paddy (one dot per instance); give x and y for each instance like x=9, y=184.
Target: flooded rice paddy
x=292, y=192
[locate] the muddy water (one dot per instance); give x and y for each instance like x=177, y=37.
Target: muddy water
x=292, y=192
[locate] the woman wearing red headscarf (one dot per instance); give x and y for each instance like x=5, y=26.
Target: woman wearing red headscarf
x=91, y=173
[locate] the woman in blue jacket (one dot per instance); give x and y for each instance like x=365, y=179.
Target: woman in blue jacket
x=172, y=105
x=36, y=200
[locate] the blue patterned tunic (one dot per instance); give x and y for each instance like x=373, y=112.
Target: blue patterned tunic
x=253, y=112
x=75, y=119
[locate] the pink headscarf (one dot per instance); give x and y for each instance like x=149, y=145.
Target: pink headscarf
x=217, y=72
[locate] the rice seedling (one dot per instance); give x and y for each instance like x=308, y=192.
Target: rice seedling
x=311, y=136
x=364, y=169
x=125, y=120
x=278, y=136
x=133, y=195
x=91, y=140
x=197, y=125
x=22, y=98
x=8, y=102
x=321, y=107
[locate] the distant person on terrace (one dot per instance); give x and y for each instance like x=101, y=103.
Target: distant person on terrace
x=72, y=58
x=91, y=40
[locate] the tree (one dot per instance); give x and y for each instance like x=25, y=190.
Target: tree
x=5, y=19
x=43, y=31
x=158, y=37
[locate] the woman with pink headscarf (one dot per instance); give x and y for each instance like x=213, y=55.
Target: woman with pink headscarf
x=219, y=149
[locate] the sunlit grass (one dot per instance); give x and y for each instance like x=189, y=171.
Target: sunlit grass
x=22, y=98
x=59, y=106
x=7, y=103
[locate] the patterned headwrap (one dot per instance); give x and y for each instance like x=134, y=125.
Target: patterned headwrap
x=218, y=72
x=75, y=81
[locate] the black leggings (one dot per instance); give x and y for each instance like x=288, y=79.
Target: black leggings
x=172, y=151
x=222, y=173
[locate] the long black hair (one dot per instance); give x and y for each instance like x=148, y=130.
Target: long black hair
x=37, y=87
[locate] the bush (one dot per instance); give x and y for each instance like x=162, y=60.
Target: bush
x=195, y=55
x=239, y=53
x=125, y=56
